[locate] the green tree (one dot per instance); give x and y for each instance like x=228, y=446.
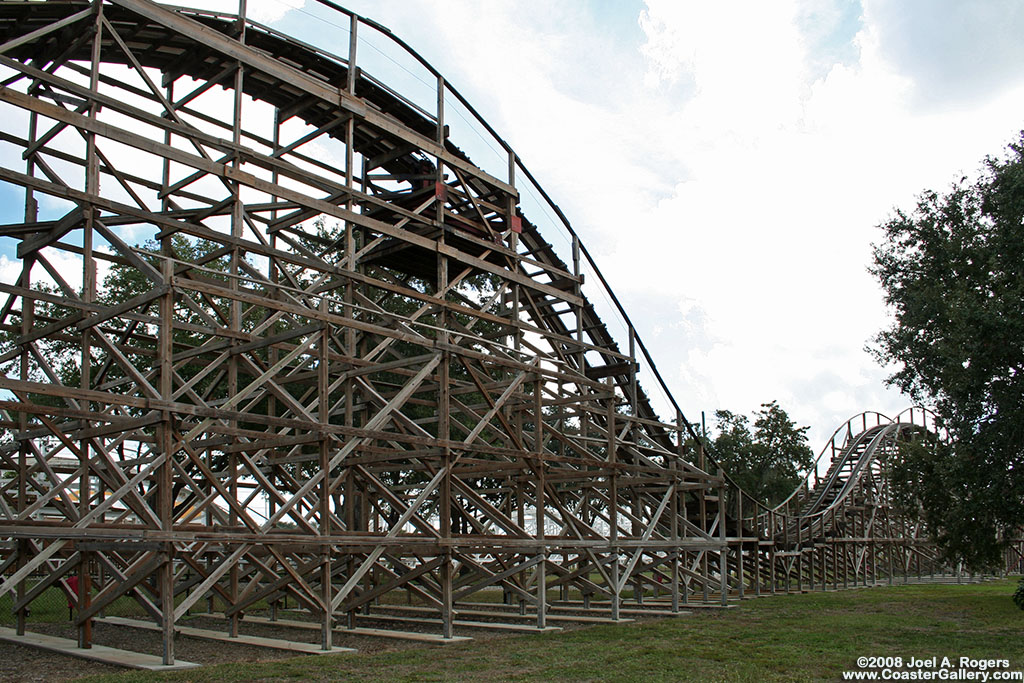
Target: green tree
x=767, y=463
x=953, y=275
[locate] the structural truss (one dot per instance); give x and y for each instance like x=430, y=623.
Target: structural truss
x=276, y=336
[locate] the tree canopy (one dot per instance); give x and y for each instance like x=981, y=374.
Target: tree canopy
x=767, y=462
x=952, y=271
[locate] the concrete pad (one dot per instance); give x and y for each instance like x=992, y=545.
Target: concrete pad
x=97, y=653
x=582, y=619
x=207, y=634
x=571, y=604
x=658, y=610
x=360, y=631
x=638, y=611
x=404, y=635
x=653, y=612
x=497, y=626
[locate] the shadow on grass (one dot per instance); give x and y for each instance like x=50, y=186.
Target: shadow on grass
x=806, y=637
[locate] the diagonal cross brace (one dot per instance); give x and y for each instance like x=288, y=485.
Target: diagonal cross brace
x=376, y=422
x=395, y=529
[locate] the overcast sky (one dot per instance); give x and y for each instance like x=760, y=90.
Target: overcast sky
x=727, y=163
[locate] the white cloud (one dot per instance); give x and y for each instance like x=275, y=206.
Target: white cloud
x=957, y=54
x=10, y=270
x=69, y=266
x=726, y=162
x=263, y=11
x=742, y=57
x=727, y=170
x=769, y=231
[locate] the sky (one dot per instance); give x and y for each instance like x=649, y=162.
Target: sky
x=727, y=164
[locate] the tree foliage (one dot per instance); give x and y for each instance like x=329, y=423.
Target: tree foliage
x=767, y=462
x=953, y=275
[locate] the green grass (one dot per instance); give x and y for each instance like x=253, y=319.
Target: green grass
x=788, y=637
x=52, y=607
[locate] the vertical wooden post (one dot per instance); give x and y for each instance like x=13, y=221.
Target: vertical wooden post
x=27, y=316
x=27, y=322
x=739, y=548
x=675, y=511
x=632, y=375
x=92, y=188
x=613, y=499
x=867, y=556
x=538, y=448
x=799, y=523
x=723, y=541
x=756, y=517
x=444, y=410
x=443, y=373
x=446, y=505
x=822, y=559
x=235, y=310
x=353, y=43
x=812, y=554
x=323, y=413
x=703, y=557
x=165, y=485
x=351, y=341
x=845, y=545
x=635, y=534
x=835, y=552
x=789, y=545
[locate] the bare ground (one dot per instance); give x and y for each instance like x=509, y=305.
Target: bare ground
x=21, y=663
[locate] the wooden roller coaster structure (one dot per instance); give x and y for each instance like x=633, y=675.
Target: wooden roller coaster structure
x=307, y=349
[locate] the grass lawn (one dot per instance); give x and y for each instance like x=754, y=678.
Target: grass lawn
x=787, y=638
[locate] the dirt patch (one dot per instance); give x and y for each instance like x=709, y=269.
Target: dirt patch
x=21, y=663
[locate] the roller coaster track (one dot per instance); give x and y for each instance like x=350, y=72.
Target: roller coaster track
x=339, y=361
x=853, y=499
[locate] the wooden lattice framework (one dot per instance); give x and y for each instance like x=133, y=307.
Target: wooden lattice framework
x=341, y=362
